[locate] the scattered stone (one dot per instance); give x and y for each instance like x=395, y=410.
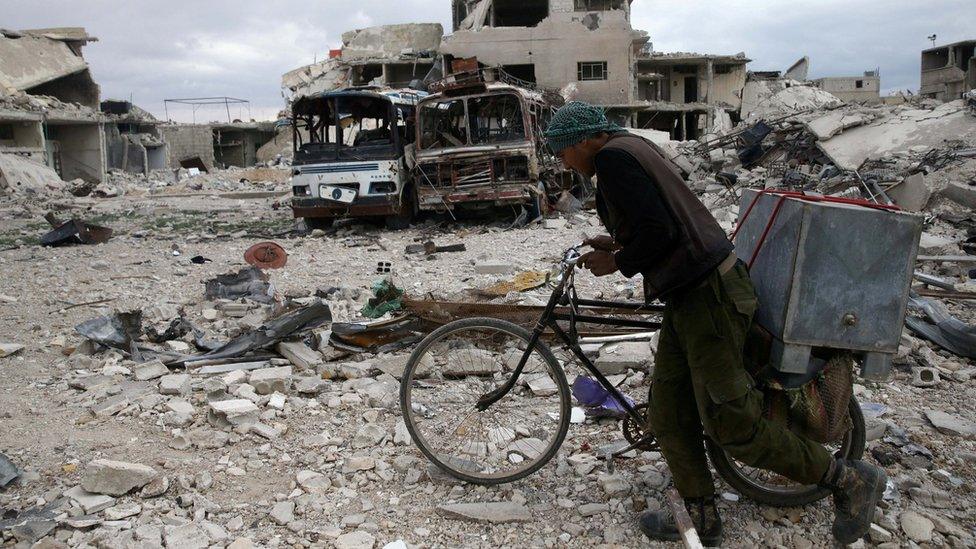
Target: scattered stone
x=283, y=512
x=115, y=478
x=7, y=349
x=151, y=370
x=916, y=527
x=622, y=357
x=369, y=435
x=89, y=502
x=271, y=380
x=174, y=384
x=359, y=539
x=187, y=536
x=498, y=512
x=156, y=488
x=615, y=486
x=300, y=354
x=123, y=511
x=951, y=425
x=925, y=377
x=225, y=413
x=590, y=509
x=313, y=482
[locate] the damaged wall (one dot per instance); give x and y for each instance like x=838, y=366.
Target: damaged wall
x=43, y=66
x=77, y=150
x=22, y=134
x=557, y=46
x=862, y=89
x=949, y=71
x=186, y=142
x=390, y=41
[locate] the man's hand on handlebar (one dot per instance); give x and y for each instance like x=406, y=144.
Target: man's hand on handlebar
x=604, y=242
x=599, y=262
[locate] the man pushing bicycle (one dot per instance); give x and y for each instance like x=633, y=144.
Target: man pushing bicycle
x=661, y=230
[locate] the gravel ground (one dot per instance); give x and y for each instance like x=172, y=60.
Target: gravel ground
x=337, y=470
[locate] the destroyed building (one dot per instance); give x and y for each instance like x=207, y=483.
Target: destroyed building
x=237, y=143
x=132, y=139
x=949, y=71
x=585, y=46
x=395, y=56
x=858, y=89
x=684, y=93
x=49, y=102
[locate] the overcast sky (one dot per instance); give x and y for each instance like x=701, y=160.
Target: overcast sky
x=150, y=50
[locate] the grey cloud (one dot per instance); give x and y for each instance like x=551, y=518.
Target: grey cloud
x=155, y=50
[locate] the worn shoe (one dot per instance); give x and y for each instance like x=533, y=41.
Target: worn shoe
x=661, y=526
x=857, y=487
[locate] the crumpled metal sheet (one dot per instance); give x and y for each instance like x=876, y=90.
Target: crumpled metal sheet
x=283, y=327
x=941, y=328
x=118, y=330
x=8, y=471
x=378, y=337
x=250, y=283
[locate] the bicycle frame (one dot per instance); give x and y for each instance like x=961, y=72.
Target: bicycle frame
x=564, y=293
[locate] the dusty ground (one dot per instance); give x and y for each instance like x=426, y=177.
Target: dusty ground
x=227, y=486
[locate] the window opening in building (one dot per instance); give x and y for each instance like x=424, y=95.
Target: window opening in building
x=591, y=70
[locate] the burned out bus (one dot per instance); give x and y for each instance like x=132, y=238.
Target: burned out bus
x=349, y=155
x=480, y=145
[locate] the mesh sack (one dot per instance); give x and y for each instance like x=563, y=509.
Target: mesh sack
x=818, y=409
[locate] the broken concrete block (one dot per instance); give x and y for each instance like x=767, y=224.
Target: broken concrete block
x=962, y=194
x=497, y=512
x=178, y=346
x=277, y=401
x=174, y=384
x=283, y=512
x=313, y=482
x=396, y=365
x=115, y=478
x=180, y=406
x=912, y=194
x=224, y=413
x=618, y=359
x=355, y=370
x=299, y=354
x=110, y=406
x=493, y=268
x=124, y=511
x=7, y=349
x=951, y=425
x=359, y=539
x=353, y=464
x=151, y=370
x=311, y=385
x=472, y=362
x=89, y=502
x=931, y=244
x=264, y=430
x=925, y=377
x=270, y=380
x=188, y=536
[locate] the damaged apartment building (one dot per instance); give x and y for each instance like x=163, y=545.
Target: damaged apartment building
x=580, y=49
x=949, y=71
x=49, y=102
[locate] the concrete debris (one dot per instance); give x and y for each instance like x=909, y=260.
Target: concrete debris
x=500, y=512
x=115, y=478
x=7, y=349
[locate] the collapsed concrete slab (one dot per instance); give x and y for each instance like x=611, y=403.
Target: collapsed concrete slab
x=390, y=41
x=899, y=132
x=22, y=177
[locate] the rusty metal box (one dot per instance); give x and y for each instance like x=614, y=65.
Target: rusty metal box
x=829, y=275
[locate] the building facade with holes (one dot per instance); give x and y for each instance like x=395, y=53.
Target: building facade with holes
x=586, y=49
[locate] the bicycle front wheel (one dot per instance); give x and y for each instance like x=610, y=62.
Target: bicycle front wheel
x=452, y=368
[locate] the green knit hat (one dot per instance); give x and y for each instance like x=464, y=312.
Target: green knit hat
x=575, y=122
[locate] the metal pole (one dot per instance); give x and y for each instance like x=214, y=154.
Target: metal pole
x=227, y=106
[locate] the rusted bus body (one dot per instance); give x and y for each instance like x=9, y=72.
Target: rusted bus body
x=484, y=148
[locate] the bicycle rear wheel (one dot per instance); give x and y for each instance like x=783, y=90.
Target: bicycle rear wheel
x=452, y=368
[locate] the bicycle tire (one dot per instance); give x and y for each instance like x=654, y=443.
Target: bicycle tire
x=805, y=495
x=557, y=374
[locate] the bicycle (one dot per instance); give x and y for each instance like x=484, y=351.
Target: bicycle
x=488, y=402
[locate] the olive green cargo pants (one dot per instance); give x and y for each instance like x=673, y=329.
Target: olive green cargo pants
x=700, y=384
